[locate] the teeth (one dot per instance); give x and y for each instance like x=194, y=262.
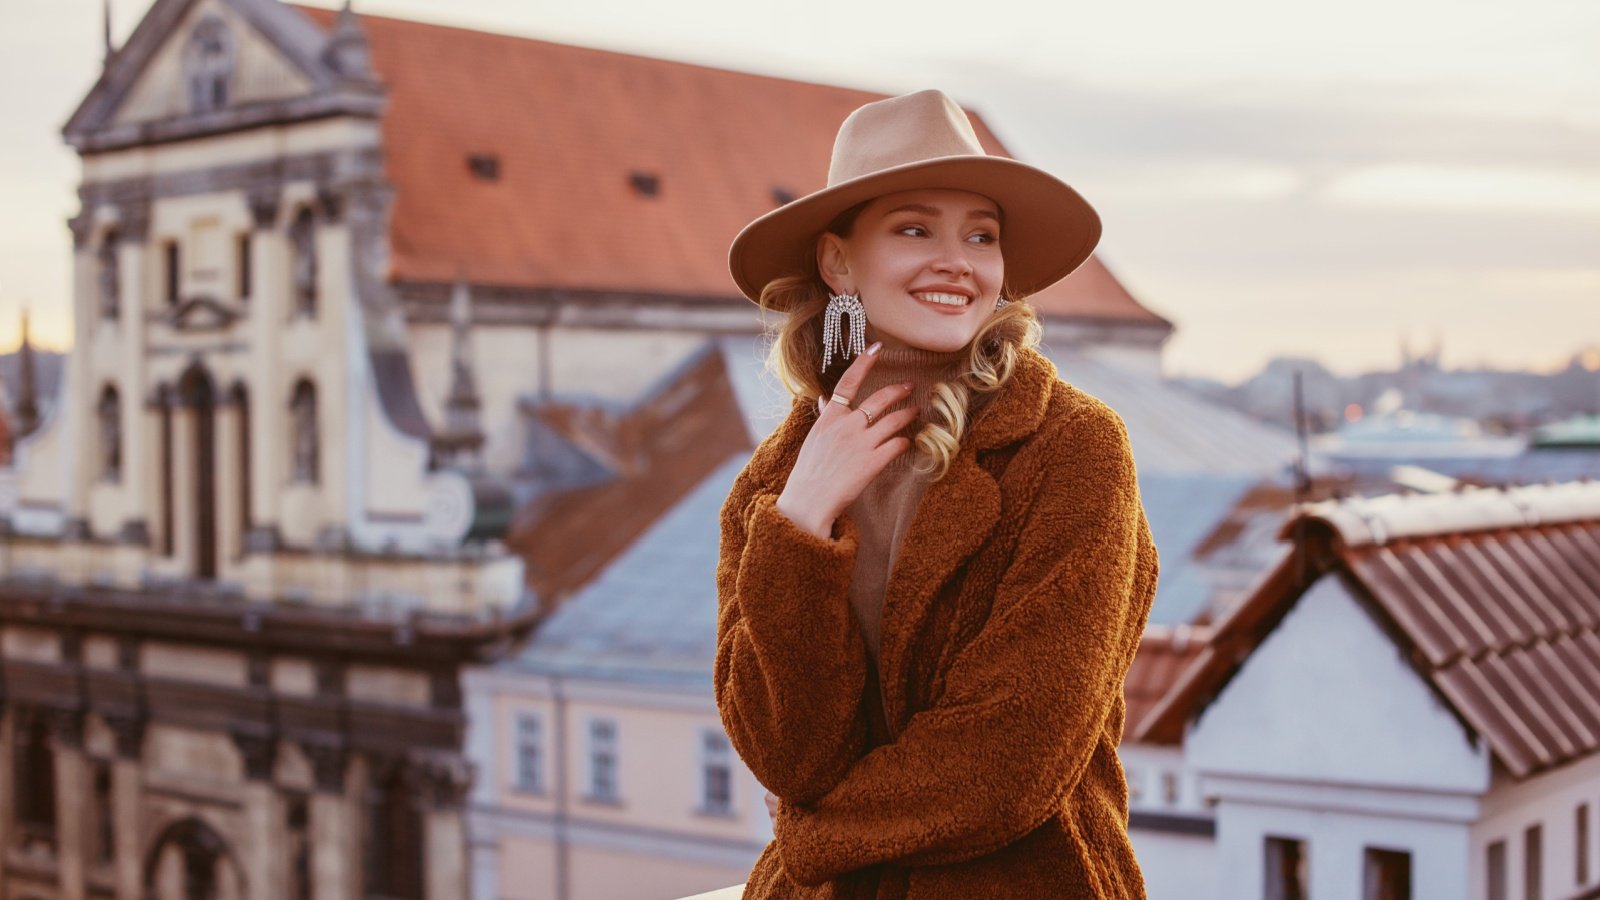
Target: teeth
x=946, y=299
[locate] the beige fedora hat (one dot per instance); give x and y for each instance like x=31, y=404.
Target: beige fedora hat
x=924, y=140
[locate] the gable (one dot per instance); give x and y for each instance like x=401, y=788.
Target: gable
x=258, y=71
x=1326, y=697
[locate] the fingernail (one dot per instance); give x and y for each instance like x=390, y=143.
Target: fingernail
x=907, y=385
x=876, y=346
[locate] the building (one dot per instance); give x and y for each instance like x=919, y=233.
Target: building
x=1405, y=706
x=243, y=568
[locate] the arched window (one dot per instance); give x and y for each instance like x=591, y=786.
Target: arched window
x=208, y=65
x=394, y=836
x=241, y=406
x=303, y=432
x=109, y=275
x=34, y=776
x=110, y=417
x=303, y=254
x=166, y=400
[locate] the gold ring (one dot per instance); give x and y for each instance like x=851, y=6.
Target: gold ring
x=840, y=398
x=868, y=413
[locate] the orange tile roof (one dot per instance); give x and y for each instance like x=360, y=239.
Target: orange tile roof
x=1164, y=652
x=570, y=127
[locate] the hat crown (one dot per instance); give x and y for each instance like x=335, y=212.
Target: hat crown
x=898, y=131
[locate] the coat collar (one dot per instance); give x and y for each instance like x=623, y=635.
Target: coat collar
x=1014, y=413
x=967, y=495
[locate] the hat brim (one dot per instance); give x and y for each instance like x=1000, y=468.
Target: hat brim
x=1049, y=228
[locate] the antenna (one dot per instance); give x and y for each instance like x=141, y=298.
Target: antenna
x=1302, y=478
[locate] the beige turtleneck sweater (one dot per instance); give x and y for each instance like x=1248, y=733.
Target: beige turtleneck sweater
x=883, y=511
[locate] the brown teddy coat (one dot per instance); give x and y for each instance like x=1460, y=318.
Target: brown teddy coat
x=1009, y=622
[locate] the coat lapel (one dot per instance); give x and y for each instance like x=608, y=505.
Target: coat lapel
x=955, y=516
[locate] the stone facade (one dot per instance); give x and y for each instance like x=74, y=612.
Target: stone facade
x=238, y=582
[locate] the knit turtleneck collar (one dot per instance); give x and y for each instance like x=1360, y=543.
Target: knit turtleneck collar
x=924, y=369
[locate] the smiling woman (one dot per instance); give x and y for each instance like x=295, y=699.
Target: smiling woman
x=926, y=611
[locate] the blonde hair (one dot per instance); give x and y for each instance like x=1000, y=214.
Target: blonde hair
x=795, y=356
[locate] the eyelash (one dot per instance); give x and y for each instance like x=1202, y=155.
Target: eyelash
x=987, y=237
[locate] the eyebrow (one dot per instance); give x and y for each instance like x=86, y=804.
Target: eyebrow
x=921, y=209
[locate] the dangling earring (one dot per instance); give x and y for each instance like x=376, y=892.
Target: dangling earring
x=832, y=337
x=1000, y=304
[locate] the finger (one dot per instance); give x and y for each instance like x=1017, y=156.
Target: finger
x=888, y=450
x=892, y=423
x=884, y=399
x=850, y=381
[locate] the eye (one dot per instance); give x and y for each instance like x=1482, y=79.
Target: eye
x=912, y=231
x=984, y=237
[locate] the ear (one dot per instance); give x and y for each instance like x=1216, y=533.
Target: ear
x=832, y=263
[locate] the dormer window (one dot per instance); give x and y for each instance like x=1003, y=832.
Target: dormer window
x=208, y=65
x=645, y=184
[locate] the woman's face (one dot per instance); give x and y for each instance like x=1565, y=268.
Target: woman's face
x=926, y=263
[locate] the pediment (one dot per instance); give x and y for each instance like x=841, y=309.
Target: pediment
x=202, y=314
x=198, y=66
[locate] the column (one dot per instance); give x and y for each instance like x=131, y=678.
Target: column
x=445, y=829
x=333, y=862
x=127, y=783
x=269, y=400
x=262, y=855
x=66, y=728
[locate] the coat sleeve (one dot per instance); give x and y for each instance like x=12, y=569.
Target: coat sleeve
x=791, y=663
x=1024, y=702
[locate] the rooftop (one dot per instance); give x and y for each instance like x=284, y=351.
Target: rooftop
x=1493, y=596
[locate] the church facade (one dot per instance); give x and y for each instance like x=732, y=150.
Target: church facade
x=243, y=570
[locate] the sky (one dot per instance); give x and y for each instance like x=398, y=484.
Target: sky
x=1275, y=177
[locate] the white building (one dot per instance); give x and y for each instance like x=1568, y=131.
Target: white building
x=1407, y=706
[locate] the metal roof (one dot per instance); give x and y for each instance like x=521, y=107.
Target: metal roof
x=1494, y=595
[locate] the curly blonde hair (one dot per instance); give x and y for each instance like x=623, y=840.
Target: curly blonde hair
x=795, y=357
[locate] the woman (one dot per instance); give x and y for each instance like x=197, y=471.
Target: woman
x=927, y=609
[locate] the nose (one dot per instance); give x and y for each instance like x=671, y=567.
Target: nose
x=952, y=259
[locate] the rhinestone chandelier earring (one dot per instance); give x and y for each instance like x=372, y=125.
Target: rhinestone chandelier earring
x=1000, y=304
x=833, y=338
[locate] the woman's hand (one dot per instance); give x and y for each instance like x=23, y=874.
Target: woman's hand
x=772, y=807
x=842, y=453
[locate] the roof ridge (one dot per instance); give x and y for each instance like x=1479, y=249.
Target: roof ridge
x=1388, y=517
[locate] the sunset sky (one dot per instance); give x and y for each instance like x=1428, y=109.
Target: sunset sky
x=1275, y=177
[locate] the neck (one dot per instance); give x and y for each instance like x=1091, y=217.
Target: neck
x=924, y=369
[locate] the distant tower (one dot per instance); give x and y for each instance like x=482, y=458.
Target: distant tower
x=460, y=443
x=105, y=19
x=27, y=395
x=347, y=51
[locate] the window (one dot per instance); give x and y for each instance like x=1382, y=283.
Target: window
x=109, y=415
x=303, y=432
x=716, y=770
x=603, y=760
x=241, y=255
x=34, y=775
x=1169, y=788
x=1135, y=779
x=171, y=261
x=241, y=408
x=1387, y=875
x=1286, y=869
x=109, y=276
x=530, y=763
x=208, y=65
x=297, y=818
x=303, y=256
x=1533, y=863
x=104, y=831
x=1499, y=886
x=1581, y=850
x=394, y=838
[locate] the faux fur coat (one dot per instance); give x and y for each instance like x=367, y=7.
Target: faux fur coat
x=1009, y=623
